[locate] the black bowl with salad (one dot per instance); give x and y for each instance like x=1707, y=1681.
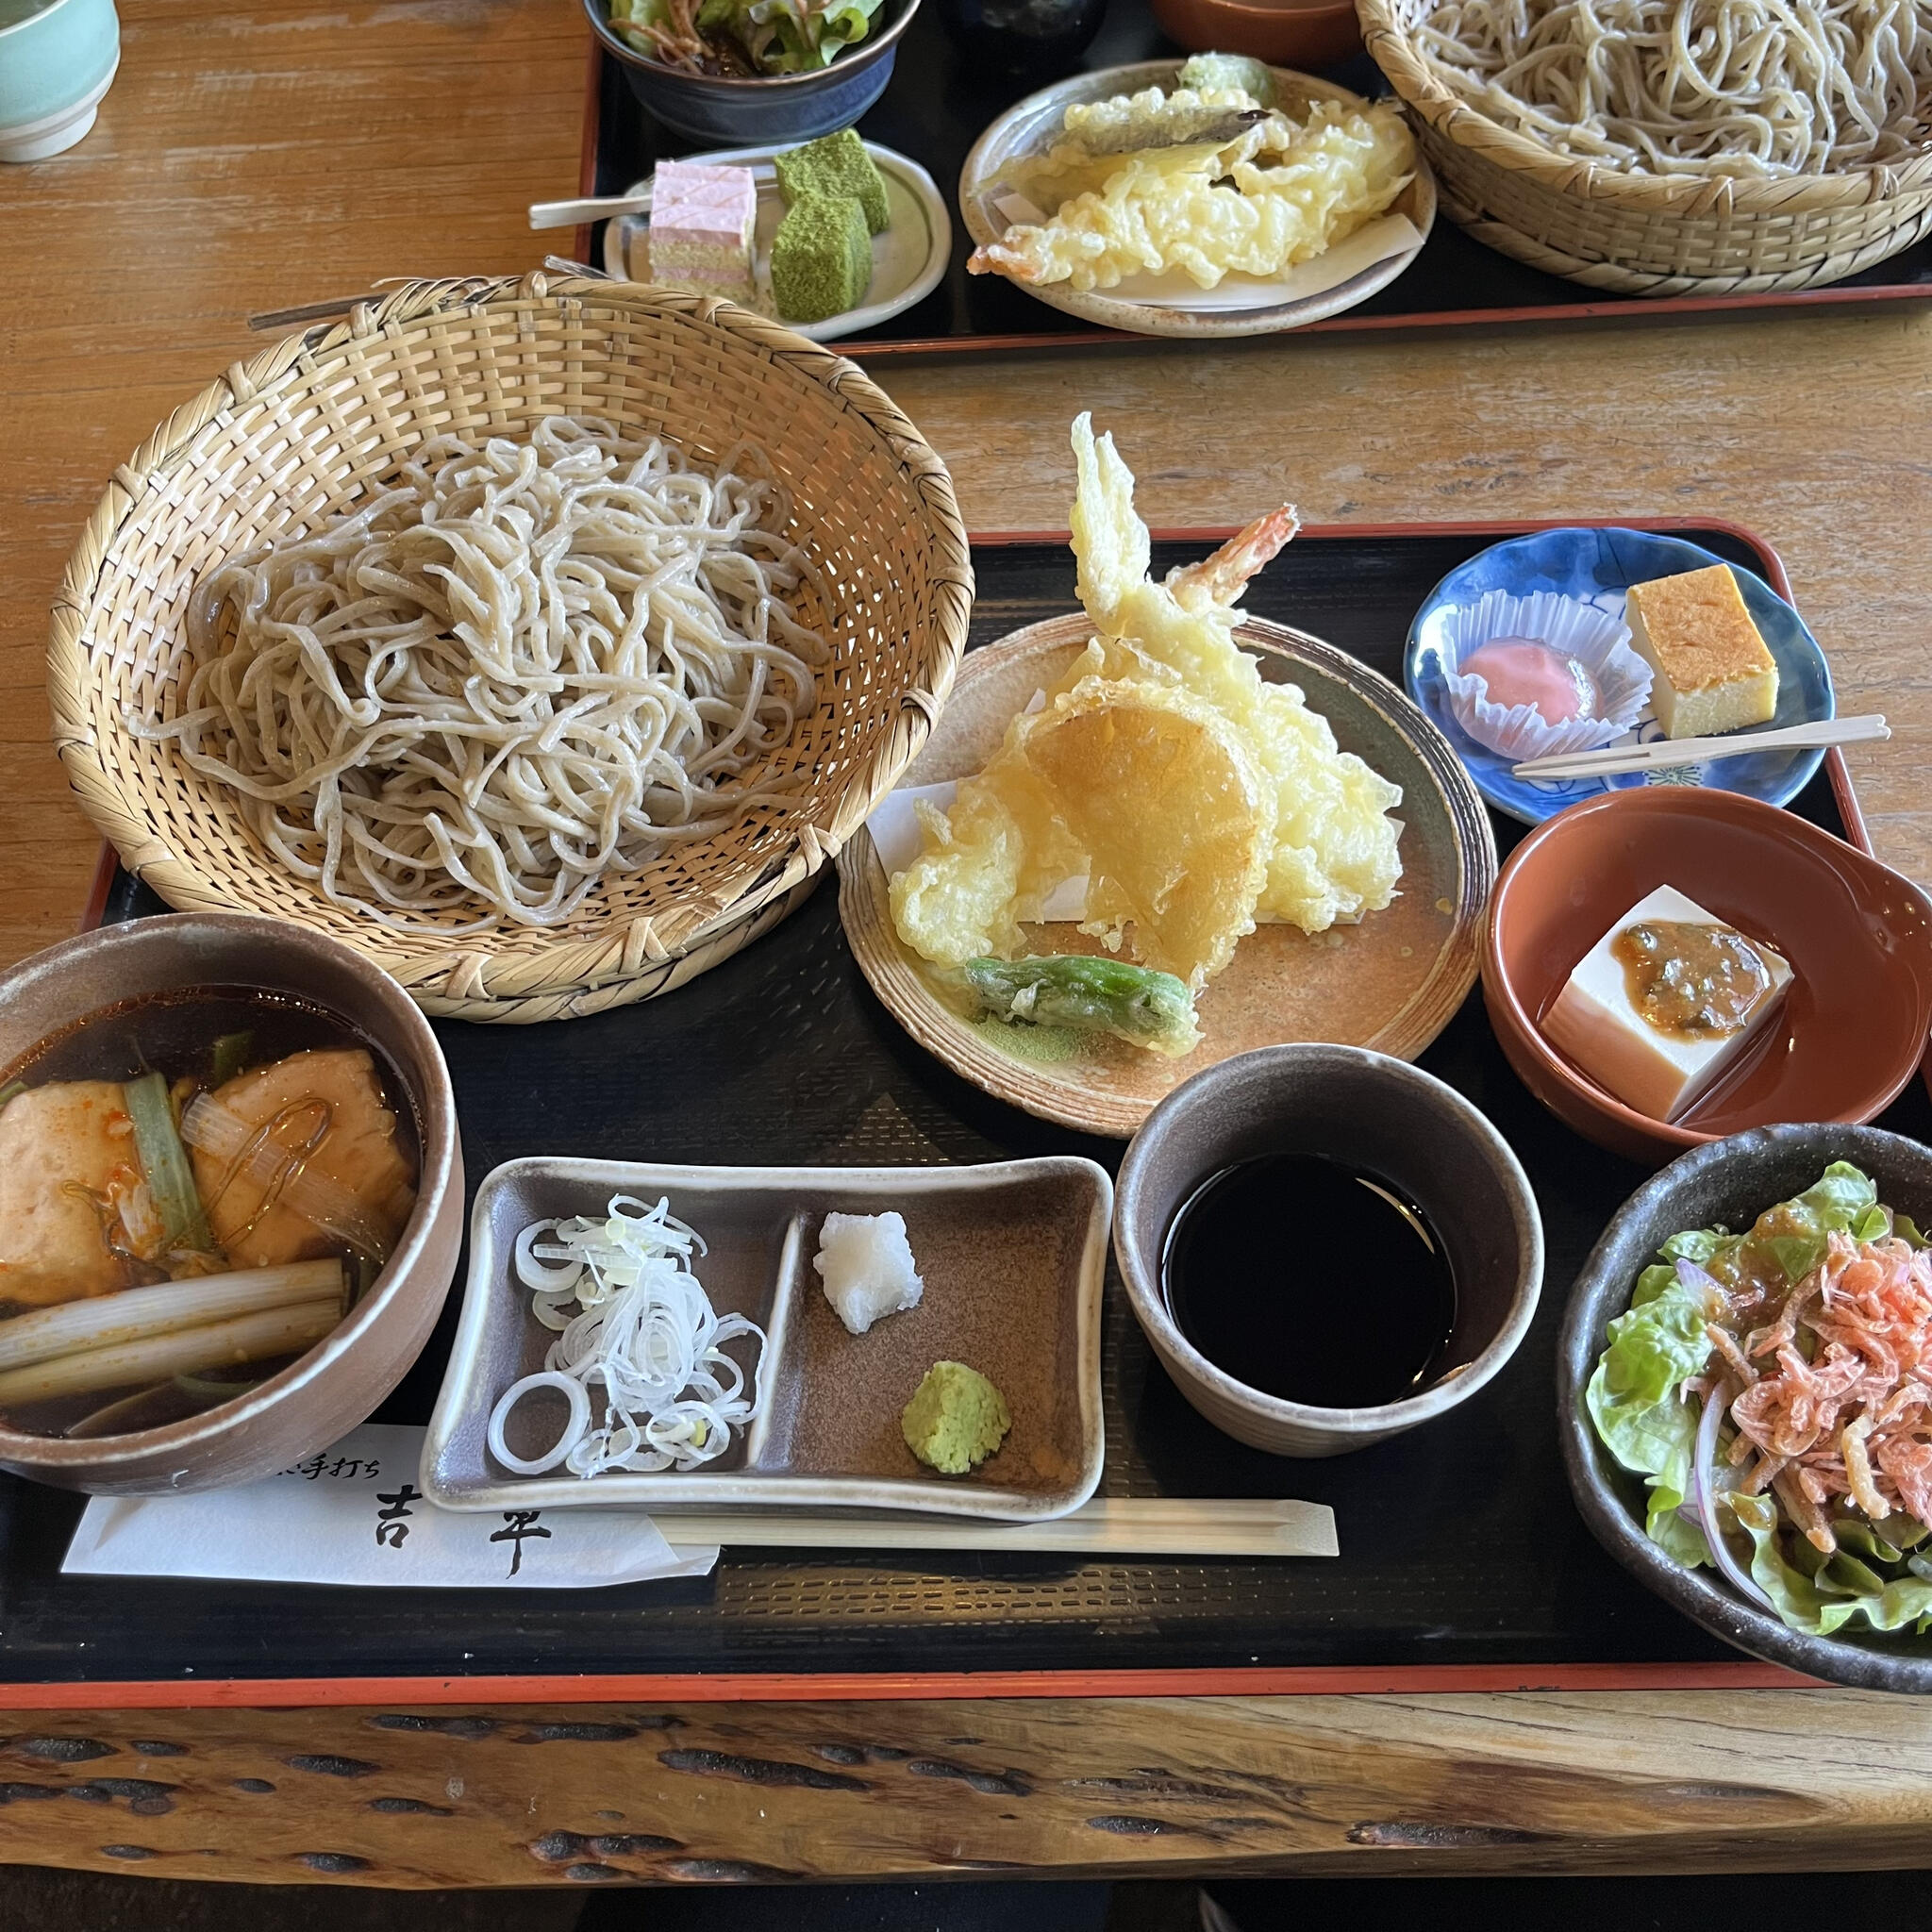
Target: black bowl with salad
x=754, y=72
x=1746, y=1397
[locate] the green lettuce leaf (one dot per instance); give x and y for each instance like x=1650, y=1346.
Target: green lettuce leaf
x=1842, y=1590
x=796, y=36
x=1699, y=1244
x=1634, y=1398
x=1839, y=1203
x=629, y=18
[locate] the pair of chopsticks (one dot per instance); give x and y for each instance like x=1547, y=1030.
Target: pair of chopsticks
x=1665, y=754
x=1107, y=1526
x=603, y=207
x=341, y=304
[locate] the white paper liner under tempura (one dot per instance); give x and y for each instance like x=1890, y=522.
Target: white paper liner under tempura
x=1596, y=638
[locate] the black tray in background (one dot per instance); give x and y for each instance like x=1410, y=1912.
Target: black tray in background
x=1459, y=1545
x=938, y=104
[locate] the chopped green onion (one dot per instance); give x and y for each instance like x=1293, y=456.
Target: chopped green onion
x=230, y=1057
x=164, y=1163
x=11, y=1090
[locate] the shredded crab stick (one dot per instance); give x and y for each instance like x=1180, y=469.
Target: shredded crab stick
x=632, y=1317
x=1853, y=1418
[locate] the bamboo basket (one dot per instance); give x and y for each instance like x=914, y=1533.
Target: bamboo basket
x=1642, y=234
x=303, y=430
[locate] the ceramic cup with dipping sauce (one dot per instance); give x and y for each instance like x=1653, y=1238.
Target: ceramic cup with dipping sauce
x=1382, y=1118
x=56, y=60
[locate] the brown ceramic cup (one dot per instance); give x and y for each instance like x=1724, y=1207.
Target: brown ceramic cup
x=342, y=1378
x=1373, y=1112
x=1285, y=33
x=1851, y=1028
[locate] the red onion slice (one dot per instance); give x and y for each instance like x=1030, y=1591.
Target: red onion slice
x=1702, y=1455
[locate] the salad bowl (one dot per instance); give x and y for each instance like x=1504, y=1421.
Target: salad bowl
x=776, y=108
x=1725, y=1184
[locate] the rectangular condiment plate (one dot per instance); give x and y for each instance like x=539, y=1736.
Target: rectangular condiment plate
x=1013, y=1254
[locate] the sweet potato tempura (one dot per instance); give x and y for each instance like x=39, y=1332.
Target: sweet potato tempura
x=1236, y=805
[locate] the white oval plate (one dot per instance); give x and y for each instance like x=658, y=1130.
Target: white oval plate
x=908, y=261
x=1171, y=305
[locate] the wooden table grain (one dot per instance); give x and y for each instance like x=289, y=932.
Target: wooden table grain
x=264, y=154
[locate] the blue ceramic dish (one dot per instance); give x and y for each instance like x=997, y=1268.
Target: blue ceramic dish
x=1597, y=566
x=769, y=108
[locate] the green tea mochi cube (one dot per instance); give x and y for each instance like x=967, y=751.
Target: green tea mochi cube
x=839, y=164
x=821, y=259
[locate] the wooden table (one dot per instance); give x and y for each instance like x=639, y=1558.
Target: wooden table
x=263, y=153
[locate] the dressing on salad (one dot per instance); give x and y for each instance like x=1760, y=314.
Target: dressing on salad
x=1775, y=1387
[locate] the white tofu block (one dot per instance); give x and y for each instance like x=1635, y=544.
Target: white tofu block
x=1595, y=1024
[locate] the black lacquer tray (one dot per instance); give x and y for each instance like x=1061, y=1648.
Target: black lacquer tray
x=938, y=104
x=1462, y=1561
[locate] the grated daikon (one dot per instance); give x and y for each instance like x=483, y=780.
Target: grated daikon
x=866, y=1264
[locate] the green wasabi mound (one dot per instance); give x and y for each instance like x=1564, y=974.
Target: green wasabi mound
x=821, y=259
x=955, y=1418
x=1229, y=70
x=836, y=165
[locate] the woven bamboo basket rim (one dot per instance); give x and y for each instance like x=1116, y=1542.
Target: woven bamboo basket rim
x=608, y=954
x=1386, y=34
x=1628, y=281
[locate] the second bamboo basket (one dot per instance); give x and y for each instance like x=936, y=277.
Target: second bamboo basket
x=1641, y=234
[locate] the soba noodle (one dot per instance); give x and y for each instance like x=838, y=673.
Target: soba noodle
x=517, y=669
x=1761, y=88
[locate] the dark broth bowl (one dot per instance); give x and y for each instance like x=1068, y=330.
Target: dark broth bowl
x=337, y=1384
x=1373, y=1112
x=1723, y=1183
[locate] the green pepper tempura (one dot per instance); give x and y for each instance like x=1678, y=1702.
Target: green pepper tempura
x=1135, y=1004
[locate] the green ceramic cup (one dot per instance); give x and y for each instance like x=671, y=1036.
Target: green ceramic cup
x=55, y=62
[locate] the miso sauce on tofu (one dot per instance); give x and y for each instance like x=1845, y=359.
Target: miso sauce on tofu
x=193, y=1187
x=1666, y=1003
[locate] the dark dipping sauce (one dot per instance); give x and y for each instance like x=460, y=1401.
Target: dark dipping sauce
x=1690, y=981
x=1310, y=1281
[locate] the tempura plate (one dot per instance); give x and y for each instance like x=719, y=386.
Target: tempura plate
x=1031, y=127
x=1391, y=983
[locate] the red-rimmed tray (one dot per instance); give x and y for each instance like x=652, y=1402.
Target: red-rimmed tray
x=938, y=104
x=1463, y=1565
